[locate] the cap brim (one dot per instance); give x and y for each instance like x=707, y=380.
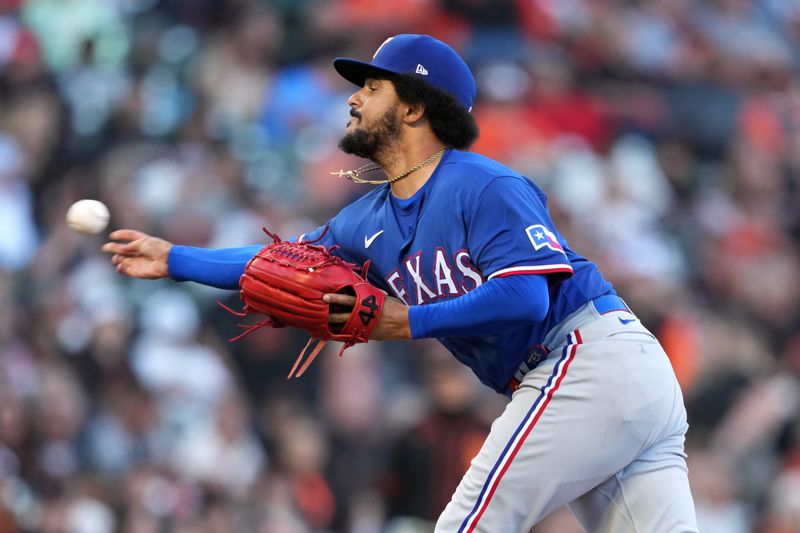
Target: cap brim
x=356, y=72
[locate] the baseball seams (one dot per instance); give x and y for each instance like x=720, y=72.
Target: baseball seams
x=523, y=430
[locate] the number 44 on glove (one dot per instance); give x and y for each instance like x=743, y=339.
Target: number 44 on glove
x=286, y=281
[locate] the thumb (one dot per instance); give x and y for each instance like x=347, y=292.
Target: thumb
x=126, y=235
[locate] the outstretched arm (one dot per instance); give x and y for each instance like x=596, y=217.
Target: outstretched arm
x=139, y=255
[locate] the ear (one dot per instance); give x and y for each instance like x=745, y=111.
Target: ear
x=413, y=113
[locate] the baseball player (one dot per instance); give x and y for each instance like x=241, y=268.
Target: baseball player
x=468, y=250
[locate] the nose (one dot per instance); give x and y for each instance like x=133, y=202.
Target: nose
x=356, y=99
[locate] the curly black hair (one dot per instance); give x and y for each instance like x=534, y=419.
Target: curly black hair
x=452, y=124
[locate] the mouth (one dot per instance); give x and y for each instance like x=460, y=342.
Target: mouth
x=355, y=117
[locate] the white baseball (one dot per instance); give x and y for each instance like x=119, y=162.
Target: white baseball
x=87, y=217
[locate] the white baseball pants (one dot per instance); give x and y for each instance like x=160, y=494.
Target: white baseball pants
x=599, y=425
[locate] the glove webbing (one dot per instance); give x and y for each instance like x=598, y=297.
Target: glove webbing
x=298, y=254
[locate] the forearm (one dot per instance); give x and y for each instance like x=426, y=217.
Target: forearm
x=219, y=268
x=491, y=308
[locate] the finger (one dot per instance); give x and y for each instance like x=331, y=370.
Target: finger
x=131, y=269
x=126, y=235
x=338, y=318
x=133, y=248
x=342, y=299
x=114, y=247
x=118, y=259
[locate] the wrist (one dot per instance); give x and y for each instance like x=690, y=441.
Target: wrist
x=398, y=327
x=172, y=262
x=165, y=258
x=404, y=326
x=393, y=324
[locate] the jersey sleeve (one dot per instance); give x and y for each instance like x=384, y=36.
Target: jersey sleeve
x=219, y=268
x=222, y=268
x=483, y=311
x=510, y=232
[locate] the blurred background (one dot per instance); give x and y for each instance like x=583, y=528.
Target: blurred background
x=666, y=133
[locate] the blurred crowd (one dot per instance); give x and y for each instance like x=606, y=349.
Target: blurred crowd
x=665, y=132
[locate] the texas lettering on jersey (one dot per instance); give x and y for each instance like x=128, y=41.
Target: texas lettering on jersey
x=451, y=276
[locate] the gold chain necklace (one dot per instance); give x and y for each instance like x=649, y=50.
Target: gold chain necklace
x=355, y=175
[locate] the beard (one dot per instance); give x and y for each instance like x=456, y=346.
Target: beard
x=369, y=142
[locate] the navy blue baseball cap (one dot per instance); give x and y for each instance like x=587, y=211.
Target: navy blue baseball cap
x=430, y=59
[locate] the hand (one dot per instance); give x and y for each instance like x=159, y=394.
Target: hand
x=140, y=255
x=392, y=325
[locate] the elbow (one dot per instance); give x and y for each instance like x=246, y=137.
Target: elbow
x=527, y=299
x=537, y=310
x=528, y=311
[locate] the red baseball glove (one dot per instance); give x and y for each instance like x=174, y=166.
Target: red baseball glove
x=286, y=281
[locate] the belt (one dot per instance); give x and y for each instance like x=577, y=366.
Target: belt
x=608, y=303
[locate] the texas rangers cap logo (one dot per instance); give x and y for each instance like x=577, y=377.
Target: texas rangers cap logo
x=541, y=237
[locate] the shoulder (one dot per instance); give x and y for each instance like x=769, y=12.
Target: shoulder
x=364, y=204
x=474, y=174
x=475, y=167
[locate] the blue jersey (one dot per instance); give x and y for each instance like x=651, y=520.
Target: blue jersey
x=473, y=220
